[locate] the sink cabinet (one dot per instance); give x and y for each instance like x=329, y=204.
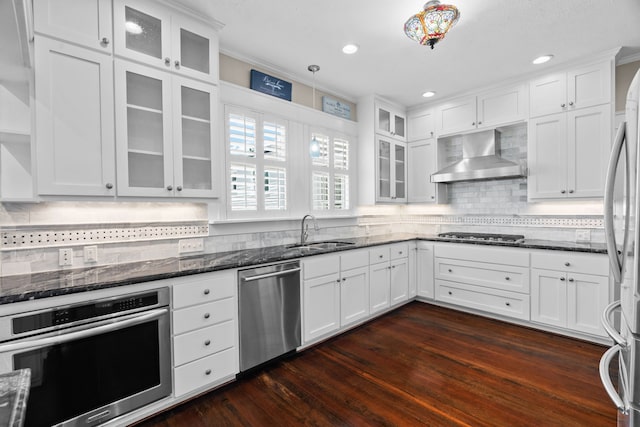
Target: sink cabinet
x=335, y=292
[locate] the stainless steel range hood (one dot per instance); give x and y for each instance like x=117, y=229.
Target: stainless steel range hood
x=480, y=160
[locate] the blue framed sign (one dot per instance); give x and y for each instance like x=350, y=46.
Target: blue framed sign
x=335, y=107
x=270, y=85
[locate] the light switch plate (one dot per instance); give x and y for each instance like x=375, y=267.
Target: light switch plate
x=65, y=257
x=91, y=254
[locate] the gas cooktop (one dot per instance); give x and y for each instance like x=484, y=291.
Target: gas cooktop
x=508, y=238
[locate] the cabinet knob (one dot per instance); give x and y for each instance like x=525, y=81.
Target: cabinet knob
x=207, y=315
x=206, y=291
x=571, y=279
x=507, y=278
x=563, y=105
x=344, y=279
x=431, y=133
x=562, y=279
x=207, y=372
x=479, y=123
x=570, y=191
x=389, y=268
x=433, y=197
x=399, y=252
x=177, y=64
x=508, y=304
x=571, y=103
x=104, y=41
x=179, y=188
x=109, y=185
x=473, y=124
x=567, y=264
x=338, y=281
x=167, y=61
x=169, y=187
x=563, y=191
x=450, y=270
x=207, y=342
x=450, y=293
x=380, y=256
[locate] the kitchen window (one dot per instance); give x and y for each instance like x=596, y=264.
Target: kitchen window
x=258, y=163
x=330, y=172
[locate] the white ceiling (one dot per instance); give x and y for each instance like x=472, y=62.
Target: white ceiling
x=494, y=41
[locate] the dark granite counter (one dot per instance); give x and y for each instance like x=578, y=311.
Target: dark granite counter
x=41, y=285
x=14, y=391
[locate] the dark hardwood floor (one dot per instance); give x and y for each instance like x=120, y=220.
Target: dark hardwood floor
x=419, y=365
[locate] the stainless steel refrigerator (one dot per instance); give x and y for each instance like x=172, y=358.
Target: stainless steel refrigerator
x=621, y=214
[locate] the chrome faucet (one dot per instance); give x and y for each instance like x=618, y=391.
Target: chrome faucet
x=305, y=228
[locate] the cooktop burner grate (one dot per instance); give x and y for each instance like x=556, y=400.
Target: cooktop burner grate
x=511, y=238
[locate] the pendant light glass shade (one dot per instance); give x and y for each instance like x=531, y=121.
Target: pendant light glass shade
x=430, y=26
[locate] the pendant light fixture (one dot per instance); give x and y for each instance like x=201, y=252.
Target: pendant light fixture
x=314, y=147
x=429, y=26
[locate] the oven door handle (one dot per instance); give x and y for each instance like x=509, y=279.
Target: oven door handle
x=86, y=331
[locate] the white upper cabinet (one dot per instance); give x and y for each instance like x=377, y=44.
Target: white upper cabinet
x=487, y=110
x=566, y=91
x=83, y=22
x=421, y=125
x=74, y=120
x=422, y=162
x=164, y=133
x=153, y=34
x=390, y=121
x=568, y=154
x=392, y=171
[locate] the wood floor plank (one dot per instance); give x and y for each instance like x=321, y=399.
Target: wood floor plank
x=418, y=365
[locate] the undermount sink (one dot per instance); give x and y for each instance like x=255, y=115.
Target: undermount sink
x=321, y=245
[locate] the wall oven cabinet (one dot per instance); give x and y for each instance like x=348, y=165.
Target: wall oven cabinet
x=93, y=361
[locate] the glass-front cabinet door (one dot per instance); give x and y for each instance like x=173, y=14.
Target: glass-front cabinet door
x=156, y=35
x=143, y=131
x=391, y=171
x=195, y=107
x=389, y=122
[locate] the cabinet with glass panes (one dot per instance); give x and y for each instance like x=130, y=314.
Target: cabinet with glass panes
x=164, y=133
x=150, y=33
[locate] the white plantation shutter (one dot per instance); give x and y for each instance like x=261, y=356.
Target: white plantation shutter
x=330, y=176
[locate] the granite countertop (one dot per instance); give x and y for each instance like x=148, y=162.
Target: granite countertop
x=42, y=285
x=14, y=391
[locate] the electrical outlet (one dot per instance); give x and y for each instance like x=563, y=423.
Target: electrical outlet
x=65, y=257
x=190, y=245
x=90, y=254
x=583, y=235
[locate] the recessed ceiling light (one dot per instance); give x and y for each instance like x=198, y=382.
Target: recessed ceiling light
x=350, y=49
x=542, y=59
x=428, y=94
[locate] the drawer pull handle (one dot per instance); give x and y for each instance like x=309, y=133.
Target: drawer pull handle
x=507, y=278
x=508, y=304
x=207, y=372
x=206, y=291
x=207, y=342
x=567, y=264
x=207, y=315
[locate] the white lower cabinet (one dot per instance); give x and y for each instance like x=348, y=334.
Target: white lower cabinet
x=424, y=270
x=570, y=291
x=205, y=331
x=335, y=292
x=495, y=280
x=389, y=276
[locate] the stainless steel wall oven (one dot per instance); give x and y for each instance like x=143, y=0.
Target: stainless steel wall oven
x=91, y=362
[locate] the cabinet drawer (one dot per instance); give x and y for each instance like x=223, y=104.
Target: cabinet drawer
x=203, y=288
x=354, y=259
x=205, y=371
x=379, y=254
x=498, y=276
x=203, y=342
x=399, y=250
x=597, y=264
x=491, y=300
x=199, y=316
x=483, y=253
x=320, y=266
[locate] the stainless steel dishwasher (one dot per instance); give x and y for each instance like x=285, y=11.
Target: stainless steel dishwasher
x=269, y=300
